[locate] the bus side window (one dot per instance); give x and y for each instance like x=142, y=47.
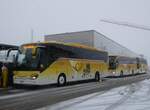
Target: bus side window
x=56, y=53
x=44, y=58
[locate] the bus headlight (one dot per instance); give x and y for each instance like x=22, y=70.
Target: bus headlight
x=114, y=72
x=34, y=76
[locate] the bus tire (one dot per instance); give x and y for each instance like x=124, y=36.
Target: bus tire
x=132, y=72
x=97, y=76
x=121, y=73
x=61, y=81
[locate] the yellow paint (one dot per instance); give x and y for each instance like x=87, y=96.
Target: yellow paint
x=70, y=67
x=126, y=68
x=25, y=74
x=4, y=77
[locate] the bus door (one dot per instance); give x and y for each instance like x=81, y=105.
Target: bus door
x=43, y=58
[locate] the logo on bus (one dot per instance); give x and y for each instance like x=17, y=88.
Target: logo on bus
x=77, y=66
x=87, y=70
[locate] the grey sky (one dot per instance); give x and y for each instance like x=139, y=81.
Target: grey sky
x=18, y=17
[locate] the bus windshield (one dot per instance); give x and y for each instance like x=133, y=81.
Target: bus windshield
x=8, y=55
x=28, y=58
x=113, y=62
x=35, y=58
x=3, y=54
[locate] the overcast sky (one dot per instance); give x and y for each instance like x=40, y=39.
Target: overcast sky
x=18, y=17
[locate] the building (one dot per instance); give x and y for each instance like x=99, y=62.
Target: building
x=94, y=39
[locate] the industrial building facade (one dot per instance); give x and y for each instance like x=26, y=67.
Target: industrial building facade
x=94, y=39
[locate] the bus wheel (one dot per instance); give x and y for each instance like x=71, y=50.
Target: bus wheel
x=132, y=72
x=61, y=81
x=121, y=73
x=97, y=76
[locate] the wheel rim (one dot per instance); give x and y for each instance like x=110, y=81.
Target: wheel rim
x=61, y=80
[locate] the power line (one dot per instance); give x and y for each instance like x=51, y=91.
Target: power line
x=127, y=24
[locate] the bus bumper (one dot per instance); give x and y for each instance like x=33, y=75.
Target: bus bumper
x=25, y=81
x=38, y=82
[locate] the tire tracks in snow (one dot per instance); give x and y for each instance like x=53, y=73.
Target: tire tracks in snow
x=130, y=90
x=78, y=102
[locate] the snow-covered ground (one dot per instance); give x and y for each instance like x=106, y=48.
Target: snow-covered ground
x=130, y=97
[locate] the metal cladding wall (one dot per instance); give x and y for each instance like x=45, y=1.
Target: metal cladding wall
x=84, y=37
x=114, y=48
x=94, y=39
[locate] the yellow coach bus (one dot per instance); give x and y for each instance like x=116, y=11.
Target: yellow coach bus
x=142, y=65
x=52, y=62
x=121, y=65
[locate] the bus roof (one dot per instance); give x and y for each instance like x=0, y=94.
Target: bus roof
x=121, y=56
x=6, y=47
x=66, y=44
